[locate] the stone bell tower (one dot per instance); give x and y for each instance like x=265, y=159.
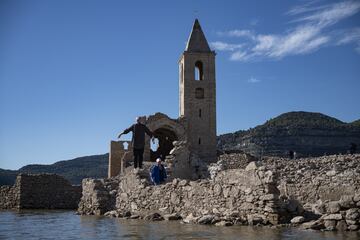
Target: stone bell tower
x=197, y=90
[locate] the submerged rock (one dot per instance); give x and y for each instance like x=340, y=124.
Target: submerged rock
x=154, y=217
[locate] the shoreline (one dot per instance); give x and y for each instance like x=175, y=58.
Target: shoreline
x=320, y=193
x=264, y=193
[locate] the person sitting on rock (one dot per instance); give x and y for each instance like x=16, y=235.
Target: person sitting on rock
x=158, y=172
x=138, y=140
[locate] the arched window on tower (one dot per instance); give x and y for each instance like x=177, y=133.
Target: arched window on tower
x=199, y=71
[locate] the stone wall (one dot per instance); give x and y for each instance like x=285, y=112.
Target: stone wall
x=341, y=215
x=98, y=195
x=315, y=193
x=40, y=191
x=309, y=180
x=248, y=196
x=8, y=197
x=181, y=163
x=118, y=157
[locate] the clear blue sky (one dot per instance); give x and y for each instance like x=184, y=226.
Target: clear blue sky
x=69, y=70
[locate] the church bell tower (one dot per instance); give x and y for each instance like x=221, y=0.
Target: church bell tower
x=197, y=90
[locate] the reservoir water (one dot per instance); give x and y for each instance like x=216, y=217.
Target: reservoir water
x=37, y=224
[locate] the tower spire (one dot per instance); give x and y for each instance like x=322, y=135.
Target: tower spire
x=197, y=41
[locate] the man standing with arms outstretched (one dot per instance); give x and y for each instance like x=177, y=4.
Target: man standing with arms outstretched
x=138, y=140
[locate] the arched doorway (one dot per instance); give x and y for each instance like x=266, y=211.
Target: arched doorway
x=166, y=138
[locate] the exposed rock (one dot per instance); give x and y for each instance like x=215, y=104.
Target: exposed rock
x=346, y=201
x=112, y=213
x=190, y=219
x=353, y=227
x=252, y=166
x=341, y=225
x=333, y=207
x=224, y=224
x=172, y=217
x=330, y=225
x=333, y=217
x=331, y=173
x=256, y=219
x=298, y=220
x=154, y=217
x=306, y=181
x=352, y=214
x=207, y=219
x=315, y=225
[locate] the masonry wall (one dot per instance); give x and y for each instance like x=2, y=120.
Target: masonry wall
x=118, y=157
x=248, y=195
x=9, y=197
x=40, y=191
x=309, y=180
x=201, y=129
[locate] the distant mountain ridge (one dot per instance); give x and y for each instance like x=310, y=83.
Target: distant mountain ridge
x=307, y=133
x=74, y=170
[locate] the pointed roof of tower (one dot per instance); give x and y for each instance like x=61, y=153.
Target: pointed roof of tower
x=197, y=41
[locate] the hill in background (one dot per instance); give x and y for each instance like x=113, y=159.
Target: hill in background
x=306, y=133
x=74, y=170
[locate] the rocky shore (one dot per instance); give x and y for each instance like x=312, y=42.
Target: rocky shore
x=312, y=193
x=246, y=196
x=320, y=193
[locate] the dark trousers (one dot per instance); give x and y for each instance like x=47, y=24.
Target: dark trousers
x=138, y=157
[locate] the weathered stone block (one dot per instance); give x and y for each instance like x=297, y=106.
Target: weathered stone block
x=333, y=217
x=297, y=220
x=330, y=225
x=341, y=225
x=352, y=214
x=333, y=207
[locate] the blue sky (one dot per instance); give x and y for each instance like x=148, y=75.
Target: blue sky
x=75, y=73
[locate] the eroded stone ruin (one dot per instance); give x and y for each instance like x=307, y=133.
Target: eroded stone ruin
x=40, y=191
x=233, y=188
x=189, y=142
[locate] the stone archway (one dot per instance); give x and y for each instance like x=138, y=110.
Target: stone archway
x=166, y=130
x=166, y=138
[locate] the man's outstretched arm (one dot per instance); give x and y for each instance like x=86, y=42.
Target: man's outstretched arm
x=126, y=131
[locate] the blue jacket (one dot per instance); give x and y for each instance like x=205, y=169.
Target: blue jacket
x=158, y=174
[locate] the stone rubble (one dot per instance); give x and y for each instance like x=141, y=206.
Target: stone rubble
x=274, y=191
x=235, y=196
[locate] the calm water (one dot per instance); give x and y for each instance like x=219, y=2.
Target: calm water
x=68, y=225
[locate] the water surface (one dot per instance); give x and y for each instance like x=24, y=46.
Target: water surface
x=38, y=224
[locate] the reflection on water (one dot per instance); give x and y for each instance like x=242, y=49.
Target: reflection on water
x=67, y=225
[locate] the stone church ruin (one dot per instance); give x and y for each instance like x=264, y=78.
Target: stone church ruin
x=188, y=142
